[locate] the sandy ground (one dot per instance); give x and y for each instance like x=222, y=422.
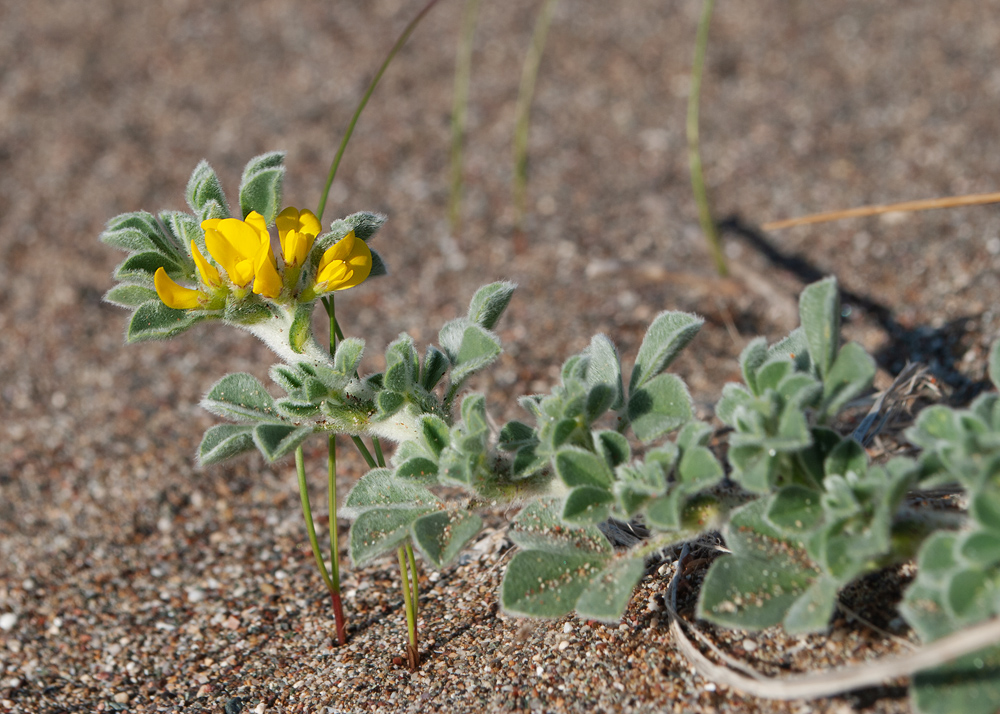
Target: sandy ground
x=131, y=581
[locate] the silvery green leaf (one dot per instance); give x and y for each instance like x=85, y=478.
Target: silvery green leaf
x=515, y=434
x=378, y=530
x=659, y=406
x=542, y=584
x=604, y=368
x=142, y=266
x=364, y=224
x=669, y=333
x=849, y=377
x=441, y=535
x=140, y=232
x=699, y=469
x=260, y=188
x=614, y=447
x=489, y=303
x=795, y=347
x=578, y=467
x=819, y=312
x=295, y=409
x=378, y=265
x=694, y=433
x=240, y=397
x=751, y=358
x=436, y=435
x=587, y=505
x=846, y=456
x=155, y=321
x=277, y=440
x=607, y=595
x=733, y=397
x=812, y=611
x=540, y=527
x=181, y=229
x=434, y=367
x=126, y=295
x=348, y=355
x=795, y=510
x=419, y=470
x=477, y=350
x=224, y=441
x=969, y=684
x=758, y=584
x=378, y=489
x=204, y=193
x=994, y=367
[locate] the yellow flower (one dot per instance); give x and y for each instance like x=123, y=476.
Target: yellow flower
x=344, y=265
x=296, y=231
x=243, y=248
x=181, y=298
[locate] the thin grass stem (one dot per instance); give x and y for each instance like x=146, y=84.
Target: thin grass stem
x=364, y=101
x=522, y=121
x=310, y=524
x=459, y=107
x=708, y=226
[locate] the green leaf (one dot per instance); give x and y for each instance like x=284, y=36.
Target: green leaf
x=378, y=489
x=577, y=467
x=295, y=409
x=140, y=232
x=693, y=434
x=379, y=530
x=277, y=440
x=436, y=434
x=515, y=434
x=435, y=366
x=402, y=364
x=155, y=321
x=850, y=376
x=608, y=594
x=757, y=585
x=365, y=224
x=669, y=333
x=419, y=470
x=540, y=527
x=812, y=611
x=604, y=368
x=613, y=447
x=994, y=367
x=661, y=405
x=441, y=535
x=733, y=397
x=587, y=505
x=224, y=441
x=389, y=403
x=489, y=303
x=699, y=469
x=240, y=397
x=819, y=312
x=204, y=193
x=847, y=456
x=541, y=584
x=795, y=510
x=751, y=358
x=142, y=266
x=348, y=355
x=260, y=188
x=130, y=295
x=969, y=685
x=477, y=350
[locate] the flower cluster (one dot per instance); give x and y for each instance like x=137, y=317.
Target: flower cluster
x=243, y=250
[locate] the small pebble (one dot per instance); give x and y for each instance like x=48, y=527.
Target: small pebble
x=7, y=621
x=121, y=698
x=749, y=645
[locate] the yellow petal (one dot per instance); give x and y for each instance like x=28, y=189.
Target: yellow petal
x=295, y=247
x=344, y=265
x=266, y=281
x=232, y=241
x=173, y=295
x=209, y=273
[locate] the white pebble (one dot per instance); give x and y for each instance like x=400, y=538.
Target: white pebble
x=260, y=708
x=567, y=628
x=749, y=645
x=7, y=621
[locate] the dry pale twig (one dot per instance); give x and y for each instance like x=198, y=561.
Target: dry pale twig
x=975, y=199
